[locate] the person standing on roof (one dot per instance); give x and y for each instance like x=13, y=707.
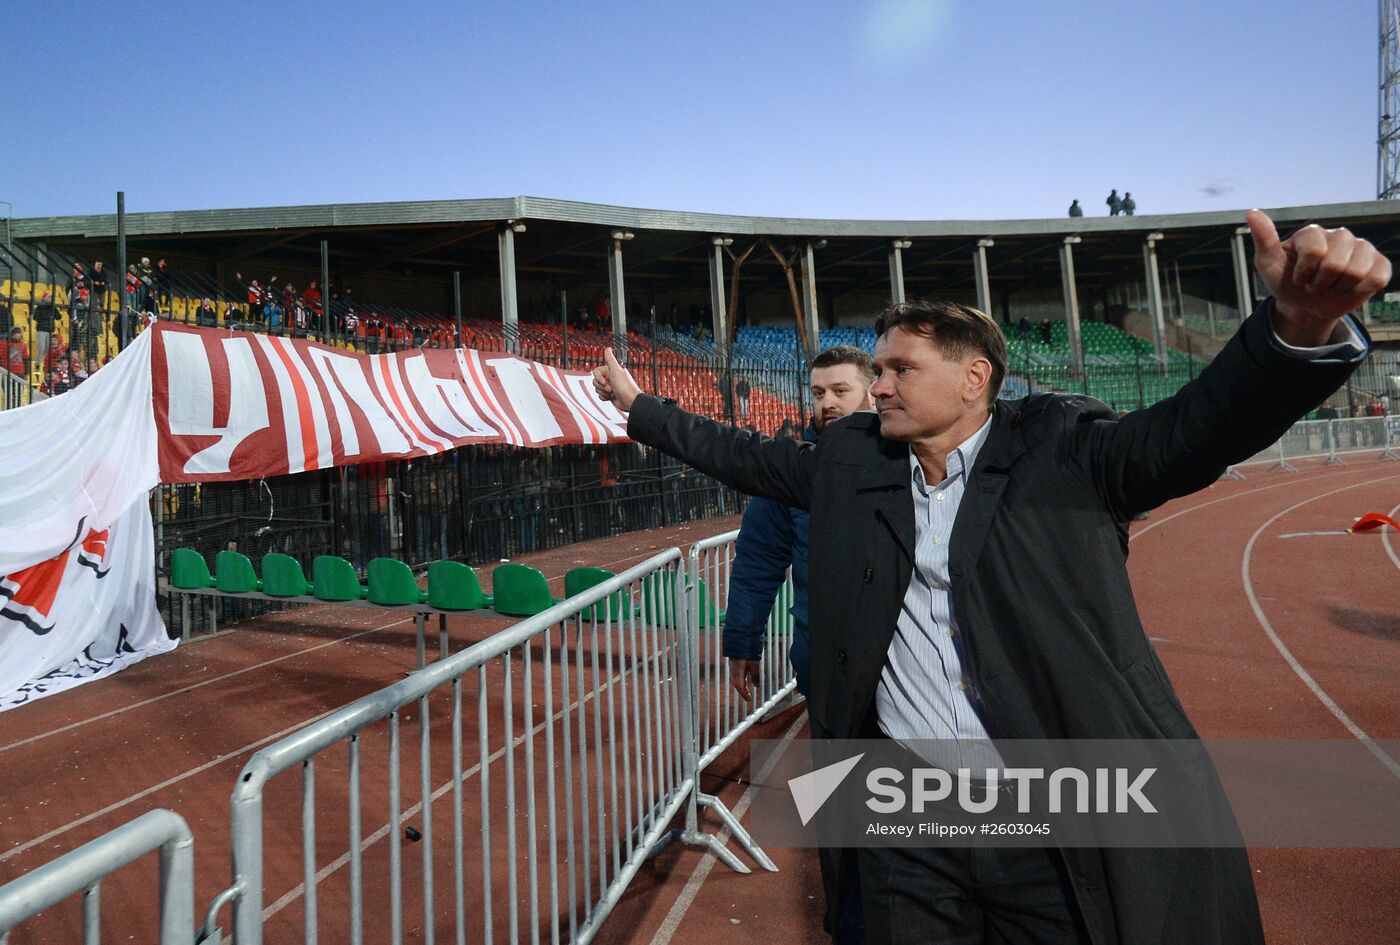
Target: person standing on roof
x=1075, y=210
x=1115, y=203
x=1129, y=204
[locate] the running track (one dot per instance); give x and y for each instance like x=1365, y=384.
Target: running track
x=1264, y=637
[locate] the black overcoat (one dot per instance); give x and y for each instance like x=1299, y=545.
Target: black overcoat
x=1038, y=562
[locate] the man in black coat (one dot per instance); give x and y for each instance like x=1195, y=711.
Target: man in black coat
x=1047, y=642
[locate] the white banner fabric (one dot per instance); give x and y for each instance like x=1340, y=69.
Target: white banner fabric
x=84, y=614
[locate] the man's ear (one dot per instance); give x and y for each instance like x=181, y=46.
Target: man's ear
x=976, y=379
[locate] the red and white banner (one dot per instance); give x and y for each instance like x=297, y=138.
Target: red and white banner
x=77, y=598
x=237, y=405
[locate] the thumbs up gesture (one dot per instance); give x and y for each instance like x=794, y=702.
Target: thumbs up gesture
x=1315, y=276
x=613, y=383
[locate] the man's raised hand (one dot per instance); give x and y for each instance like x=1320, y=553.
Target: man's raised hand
x=613, y=383
x=1315, y=276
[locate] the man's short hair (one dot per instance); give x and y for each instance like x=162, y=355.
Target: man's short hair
x=846, y=354
x=956, y=330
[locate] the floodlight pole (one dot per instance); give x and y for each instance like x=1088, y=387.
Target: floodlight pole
x=1388, y=124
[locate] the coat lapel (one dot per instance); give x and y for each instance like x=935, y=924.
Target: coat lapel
x=984, y=489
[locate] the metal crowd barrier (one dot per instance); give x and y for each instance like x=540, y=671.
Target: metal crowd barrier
x=720, y=715
x=614, y=671
x=82, y=870
x=600, y=715
x=1330, y=440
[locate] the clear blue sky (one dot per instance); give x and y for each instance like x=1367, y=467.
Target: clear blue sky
x=863, y=108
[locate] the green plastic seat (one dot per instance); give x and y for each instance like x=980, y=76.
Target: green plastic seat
x=519, y=590
x=282, y=576
x=335, y=579
x=391, y=583
x=453, y=585
x=189, y=570
x=581, y=579
x=234, y=574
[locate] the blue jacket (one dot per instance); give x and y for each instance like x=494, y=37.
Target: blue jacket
x=771, y=537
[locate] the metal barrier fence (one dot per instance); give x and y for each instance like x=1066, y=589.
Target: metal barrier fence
x=82, y=870
x=620, y=680
x=1330, y=440
x=634, y=701
x=720, y=716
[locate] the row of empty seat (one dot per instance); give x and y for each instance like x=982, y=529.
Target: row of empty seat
x=518, y=590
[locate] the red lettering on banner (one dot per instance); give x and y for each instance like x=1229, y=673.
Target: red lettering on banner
x=214, y=393
x=493, y=409
x=303, y=402
x=550, y=378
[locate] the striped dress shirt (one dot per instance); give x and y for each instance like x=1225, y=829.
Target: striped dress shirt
x=924, y=692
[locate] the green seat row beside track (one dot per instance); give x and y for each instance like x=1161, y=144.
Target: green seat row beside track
x=519, y=590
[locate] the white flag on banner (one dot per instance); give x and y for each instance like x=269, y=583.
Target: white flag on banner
x=83, y=614
x=77, y=594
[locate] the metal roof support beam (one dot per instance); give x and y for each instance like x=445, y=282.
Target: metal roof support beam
x=1244, y=292
x=510, y=305
x=897, y=270
x=810, y=319
x=1154, y=299
x=979, y=269
x=1076, y=341
x=617, y=288
x=719, y=318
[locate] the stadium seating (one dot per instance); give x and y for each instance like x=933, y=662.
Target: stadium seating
x=519, y=590
x=282, y=576
x=334, y=579
x=454, y=586
x=392, y=584
x=234, y=574
x=189, y=570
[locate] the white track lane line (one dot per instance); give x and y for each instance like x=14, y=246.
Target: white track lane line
x=16, y=851
x=1287, y=654
x=686, y=897
x=1240, y=495
x=1385, y=540
x=207, y=682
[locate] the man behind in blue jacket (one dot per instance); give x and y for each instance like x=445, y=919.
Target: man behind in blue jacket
x=772, y=537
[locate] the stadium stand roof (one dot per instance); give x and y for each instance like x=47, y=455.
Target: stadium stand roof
x=423, y=242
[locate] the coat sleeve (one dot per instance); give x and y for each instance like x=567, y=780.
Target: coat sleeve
x=762, y=555
x=781, y=470
x=1240, y=403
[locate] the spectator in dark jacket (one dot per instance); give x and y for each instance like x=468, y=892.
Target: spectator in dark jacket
x=45, y=319
x=207, y=316
x=772, y=538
